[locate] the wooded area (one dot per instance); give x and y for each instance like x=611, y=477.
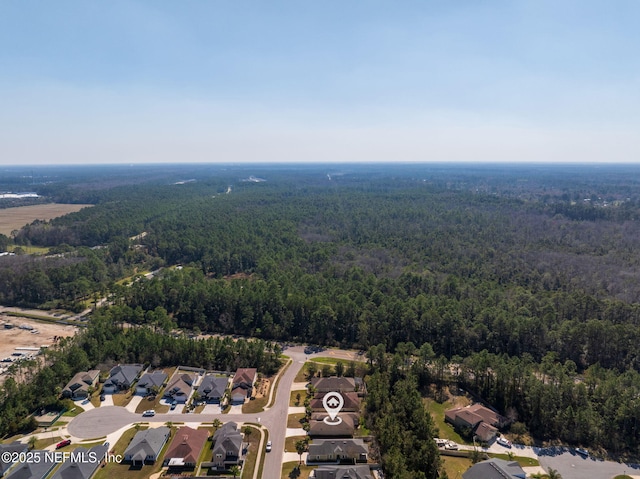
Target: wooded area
x=525, y=281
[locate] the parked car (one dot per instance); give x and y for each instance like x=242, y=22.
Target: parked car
x=149, y=413
x=102, y=397
x=503, y=442
x=173, y=405
x=451, y=446
x=582, y=452
x=268, y=446
x=64, y=443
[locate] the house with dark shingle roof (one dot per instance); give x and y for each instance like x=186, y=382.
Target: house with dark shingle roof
x=227, y=447
x=338, y=450
x=38, y=468
x=121, y=378
x=82, y=464
x=146, y=445
x=11, y=448
x=351, y=402
x=347, y=426
x=78, y=387
x=185, y=447
x=150, y=381
x=212, y=389
x=344, y=472
x=495, y=469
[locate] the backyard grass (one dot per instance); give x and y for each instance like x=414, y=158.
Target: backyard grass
x=445, y=431
x=302, y=472
x=455, y=466
x=293, y=420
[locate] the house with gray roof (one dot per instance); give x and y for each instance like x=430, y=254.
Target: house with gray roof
x=227, y=447
x=11, y=448
x=495, y=469
x=78, y=387
x=38, y=468
x=121, y=378
x=338, y=450
x=344, y=472
x=212, y=389
x=345, y=428
x=146, y=445
x=82, y=464
x=150, y=382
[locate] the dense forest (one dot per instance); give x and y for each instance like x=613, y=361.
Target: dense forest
x=526, y=280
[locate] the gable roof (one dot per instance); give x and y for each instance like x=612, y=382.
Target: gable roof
x=227, y=439
x=123, y=374
x=149, y=380
x=147, y=443
x=212, y=387
x=351, y=447
x=351, y=401
x=179, y=384
x=495, y=469
x=38, y=468
x=82, y=380
x=85, y=464
x=485, y=431
x=343, y=472
x=317, y=426
x=487, y=415
x=334, y=383
x=187, y=444
x=13, y=447
x=244, y=376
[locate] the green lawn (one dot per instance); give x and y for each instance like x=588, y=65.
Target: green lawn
x=290, y=443
x=292, y=398
x=523, y=461
x=301, y=473
x=446, y=431
x=455, y=466
x=293, y=420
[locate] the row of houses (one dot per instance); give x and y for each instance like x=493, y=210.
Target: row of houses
x=81, y=464
x=211, y=389
x=229, y=448
x=334, y=443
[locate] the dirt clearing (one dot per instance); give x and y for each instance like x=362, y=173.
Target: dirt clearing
x=15, y=218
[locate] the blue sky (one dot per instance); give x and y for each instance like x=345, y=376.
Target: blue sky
x=336, y=81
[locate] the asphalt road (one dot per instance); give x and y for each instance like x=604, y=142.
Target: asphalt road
x=104, y=420
x=574, y=466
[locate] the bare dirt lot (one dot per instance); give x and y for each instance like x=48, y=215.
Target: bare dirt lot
x=17, y=337
x=15, y=218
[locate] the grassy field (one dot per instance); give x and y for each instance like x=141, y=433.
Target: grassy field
x=292, y=398
x=290, y=443
x=289, y=473
x=456, y=466
x=15, y=218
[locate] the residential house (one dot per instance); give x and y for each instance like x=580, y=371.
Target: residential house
x=179, y=387
x=495, y=469
x=78, y=387
x=150, y=382
x=242, y=384
x=146, y=445
x=339, y=384
x=319, y=428
x=344, y=472
x=227, y=447
x=185, y=447
x=12, y=448
x=82, y=464
x=351, y=402
x=38, y=467
x=212, y=389
x=121, y=378
x=480, y=419
x=338, y=450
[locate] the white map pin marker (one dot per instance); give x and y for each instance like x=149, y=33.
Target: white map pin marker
x=333, y=403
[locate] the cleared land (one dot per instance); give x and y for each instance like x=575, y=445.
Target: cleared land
x=15, y=218
x=17, y=337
